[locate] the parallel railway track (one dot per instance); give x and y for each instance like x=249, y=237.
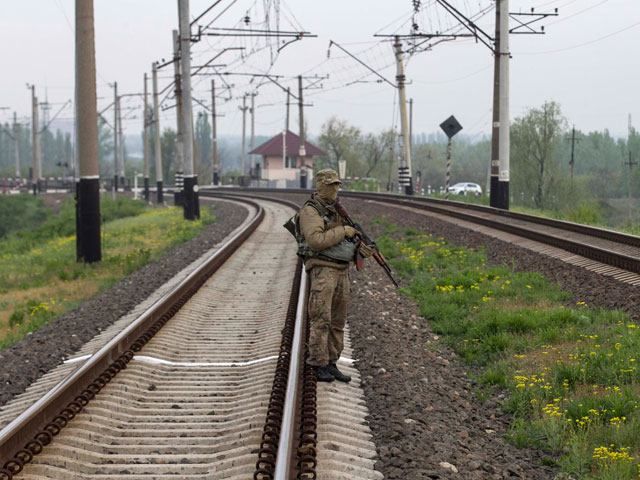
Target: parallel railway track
x=604, y=251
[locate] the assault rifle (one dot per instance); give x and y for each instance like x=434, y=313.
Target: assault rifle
x=368, y=241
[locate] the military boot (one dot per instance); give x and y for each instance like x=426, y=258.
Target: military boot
x=323, y=374
x=337, y=374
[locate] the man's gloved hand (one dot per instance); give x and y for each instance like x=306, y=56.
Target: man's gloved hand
x=365, y=250
x=350, y=232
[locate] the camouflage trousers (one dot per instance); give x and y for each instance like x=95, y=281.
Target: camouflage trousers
x=327, y=314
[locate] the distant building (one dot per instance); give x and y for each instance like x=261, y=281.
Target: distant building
x=281, y=162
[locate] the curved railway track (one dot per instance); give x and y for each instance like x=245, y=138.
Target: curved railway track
x=604, y=251
x=183, y=390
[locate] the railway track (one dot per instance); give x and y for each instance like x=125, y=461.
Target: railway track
x=207, y=381
x=600, y=250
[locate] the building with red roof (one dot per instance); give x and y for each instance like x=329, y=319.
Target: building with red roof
x=281, y=160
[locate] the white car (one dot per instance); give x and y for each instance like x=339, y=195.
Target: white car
x=465, y=188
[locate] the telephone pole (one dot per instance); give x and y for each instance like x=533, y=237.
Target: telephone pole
x=404, y=170
x=244, y=132
x=214, y=133
x=16, y=143
x=157, y=147
x=146, y=146
x=302, y=153
x=35, y=142
x=500, y=142
x=120, y=146
x=116, y=147
x=252, y=138
x=288, y=104
x=504, y=120
x=191, y=200
x=572, y=162
x=411, y=125
x=495, y=128
x=88, y=247
x=179, y=174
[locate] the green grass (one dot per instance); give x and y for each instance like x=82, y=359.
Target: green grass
x=20, y=212
x=570, y=372
x=41, y=278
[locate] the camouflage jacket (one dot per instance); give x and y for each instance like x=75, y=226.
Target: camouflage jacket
x=322, y=228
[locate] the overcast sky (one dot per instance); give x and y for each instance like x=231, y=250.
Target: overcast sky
x=588, y=61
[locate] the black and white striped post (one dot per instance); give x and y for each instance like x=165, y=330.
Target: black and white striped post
x=178, y=194
x=450, y=127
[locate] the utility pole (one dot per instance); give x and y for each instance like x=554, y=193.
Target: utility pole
x=404, y=170
x=500, y=142
x=191, y=200
x=157, y=149
x=214, y=133
x=504, y=121
x=252, y=138
x=494, y=194
x=302, y=153
x=120, y=146
x=244, y=131
x=16, y=143
x=35, y=142
x=573, y=148
x=88, y=247
x=146, y=146
x=179, y=174
x=630, y=163
x=411, y=125
x=116, y=147
x=288, y=104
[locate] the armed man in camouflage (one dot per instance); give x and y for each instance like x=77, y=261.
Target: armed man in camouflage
x=328, y=246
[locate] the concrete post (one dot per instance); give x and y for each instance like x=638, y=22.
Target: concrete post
x=88, y=189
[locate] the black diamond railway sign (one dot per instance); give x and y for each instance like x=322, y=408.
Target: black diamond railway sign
x=451, y=126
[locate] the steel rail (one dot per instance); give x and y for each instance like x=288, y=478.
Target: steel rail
x=599, y=254
x=32, y=430
x=280, y=463
x=599, y=232
x=286, y=446
x=455, y=209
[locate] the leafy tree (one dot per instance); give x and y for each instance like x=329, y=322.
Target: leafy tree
x=377, y=151
x=340, y=141
x=168, y=149
x=105, y=148
x=202, y=155
x=534, y=138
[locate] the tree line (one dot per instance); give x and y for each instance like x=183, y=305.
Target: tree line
x=604, y=167
x=57, y=151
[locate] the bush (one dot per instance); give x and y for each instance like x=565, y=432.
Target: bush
x=20, y=212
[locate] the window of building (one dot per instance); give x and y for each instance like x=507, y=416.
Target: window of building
x=290, y=162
